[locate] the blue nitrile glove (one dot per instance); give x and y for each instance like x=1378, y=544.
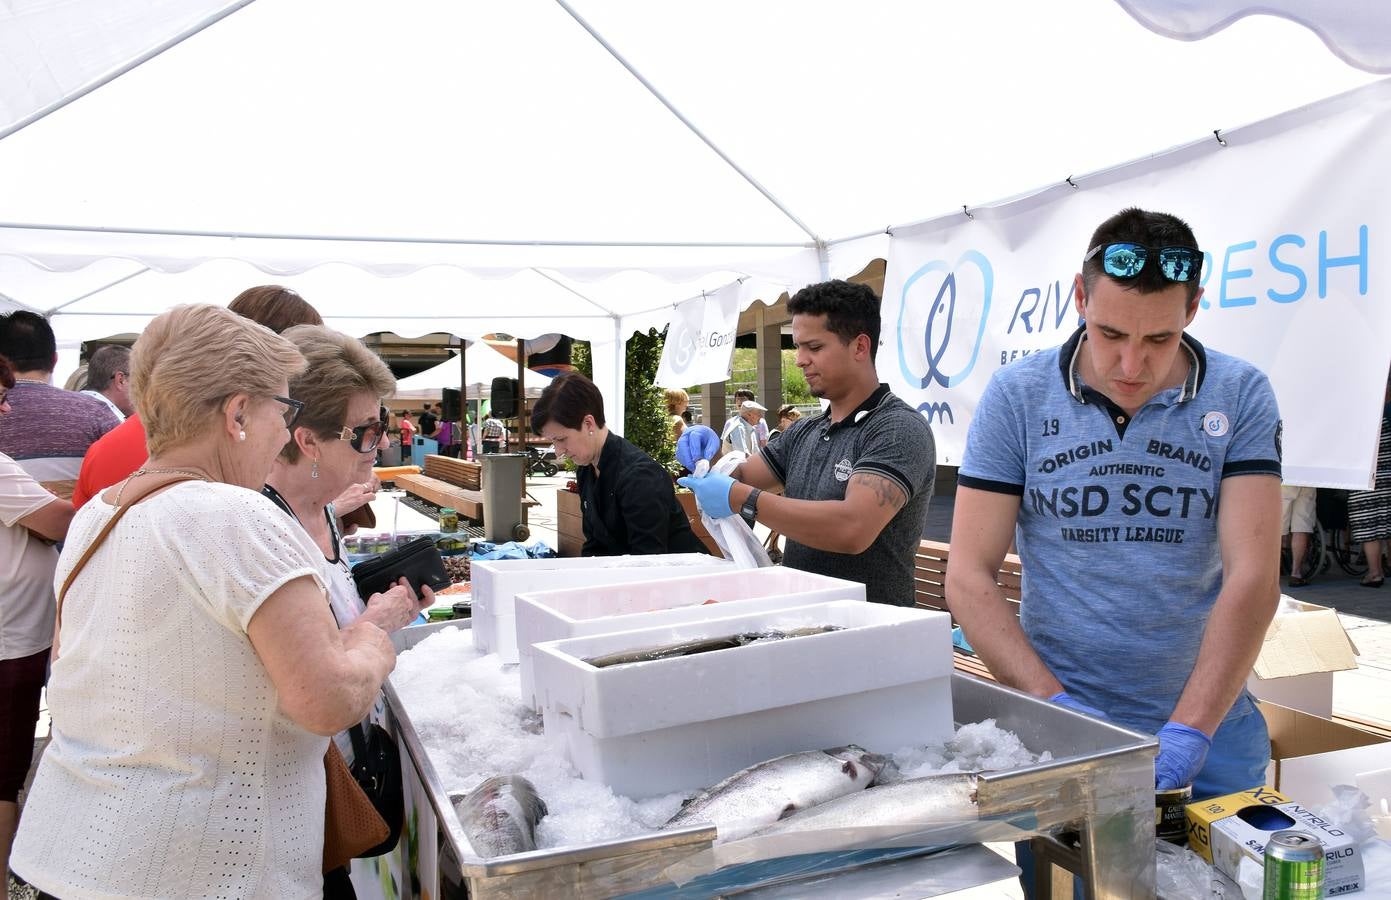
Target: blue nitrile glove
x=1063, y=698
x=697, y=442
x=1182, y=752
x=712, y=493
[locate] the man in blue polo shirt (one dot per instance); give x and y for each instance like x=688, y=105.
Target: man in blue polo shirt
x=1140, y=475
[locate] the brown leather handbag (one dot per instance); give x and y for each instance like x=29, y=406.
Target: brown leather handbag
x=351, y=823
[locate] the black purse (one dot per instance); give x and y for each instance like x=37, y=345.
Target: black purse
x=377, y=770
x=419, y=561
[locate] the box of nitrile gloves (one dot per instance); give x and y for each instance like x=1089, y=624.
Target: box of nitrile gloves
x=1226, y=830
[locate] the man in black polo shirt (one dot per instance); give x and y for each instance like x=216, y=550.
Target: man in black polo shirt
x=856, y=479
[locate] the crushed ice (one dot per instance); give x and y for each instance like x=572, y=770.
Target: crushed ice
x=468, y=714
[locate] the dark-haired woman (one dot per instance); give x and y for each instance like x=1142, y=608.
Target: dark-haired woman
x=628, y=504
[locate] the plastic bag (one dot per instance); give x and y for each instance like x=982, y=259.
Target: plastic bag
x=1180, y=873
x=737, y=541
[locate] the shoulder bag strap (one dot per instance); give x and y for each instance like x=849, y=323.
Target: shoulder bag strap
x=121, y=510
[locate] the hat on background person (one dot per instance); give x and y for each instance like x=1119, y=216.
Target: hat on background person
x=753, y=404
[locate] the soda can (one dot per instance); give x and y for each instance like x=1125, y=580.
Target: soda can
x=1293, y=867
x=1171, y=814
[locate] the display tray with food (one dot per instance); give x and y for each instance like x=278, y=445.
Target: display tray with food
x=516, y=819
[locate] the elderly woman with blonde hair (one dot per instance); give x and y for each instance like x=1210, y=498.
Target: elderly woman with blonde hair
x=198, y=670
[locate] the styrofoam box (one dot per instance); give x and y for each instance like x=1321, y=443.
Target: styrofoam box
x=559, y=615
x=497, y=582
x=646, y=729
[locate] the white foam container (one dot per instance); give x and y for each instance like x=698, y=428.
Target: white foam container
x=576, y=612
x=497, y=582
x=651, y=728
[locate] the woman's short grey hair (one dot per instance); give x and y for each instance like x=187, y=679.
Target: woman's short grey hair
x=192, y=358
x=339, y=366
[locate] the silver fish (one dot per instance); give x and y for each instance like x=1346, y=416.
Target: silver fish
x=702, y=645
x=764, y=793
x=889, y=809
x=500, y=815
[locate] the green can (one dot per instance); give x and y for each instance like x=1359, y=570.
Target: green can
x=1293, y=867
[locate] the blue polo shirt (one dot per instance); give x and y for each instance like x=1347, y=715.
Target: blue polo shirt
x=1117, y=525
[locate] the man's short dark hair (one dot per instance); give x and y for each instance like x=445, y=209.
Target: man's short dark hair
x=744, y=394
x=1151, y=229
x=566, y=401
x=27, y=339
x=850, y=309
x=104, y=365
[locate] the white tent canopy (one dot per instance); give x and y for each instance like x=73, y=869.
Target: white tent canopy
x=483, y=364
x=543, y=165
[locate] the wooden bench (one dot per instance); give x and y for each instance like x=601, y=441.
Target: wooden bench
x=930, y=574
x=467, y=503
x=458, y=472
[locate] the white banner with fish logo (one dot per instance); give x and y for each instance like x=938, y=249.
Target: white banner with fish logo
x=1293, y=215
x=699, y=347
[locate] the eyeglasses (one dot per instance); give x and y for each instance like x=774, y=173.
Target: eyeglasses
x=1125, y=260
x=292, y=413
x=363, y=438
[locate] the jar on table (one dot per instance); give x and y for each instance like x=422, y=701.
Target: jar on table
x=449, y=520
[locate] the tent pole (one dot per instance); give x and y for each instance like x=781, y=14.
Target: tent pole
x=521, y=414
x=367, y=239
x=463, y=400
x=117, y=73
x=61, y=306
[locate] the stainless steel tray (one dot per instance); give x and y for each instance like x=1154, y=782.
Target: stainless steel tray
x=1099, y=783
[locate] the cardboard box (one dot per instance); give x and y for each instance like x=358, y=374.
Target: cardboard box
x=883, y=681
x=1310, y=755
x=1303, y=647
x=1226, y=830
x=575, y=612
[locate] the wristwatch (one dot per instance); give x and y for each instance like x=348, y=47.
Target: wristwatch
x=750, y=508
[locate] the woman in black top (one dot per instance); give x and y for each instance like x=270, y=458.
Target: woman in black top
x=628, y=501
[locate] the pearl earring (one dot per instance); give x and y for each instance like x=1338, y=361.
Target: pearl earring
x=314, y=470
x=241, y=435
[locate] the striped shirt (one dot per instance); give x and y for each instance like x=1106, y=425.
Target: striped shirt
x=48, y=429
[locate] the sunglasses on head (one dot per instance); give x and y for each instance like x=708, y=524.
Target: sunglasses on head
x=363, y=438
x=1126, y=260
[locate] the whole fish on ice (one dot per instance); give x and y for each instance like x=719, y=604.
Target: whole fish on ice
x=889, y=809
x=703, y=645
x=764, y=793
x=500, y=815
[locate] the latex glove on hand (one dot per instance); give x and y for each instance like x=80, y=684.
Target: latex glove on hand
x=697, y=442
x=712, y=493
x=1182, y=752
x=1064, y=699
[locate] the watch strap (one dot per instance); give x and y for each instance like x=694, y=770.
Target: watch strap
x=750, y=508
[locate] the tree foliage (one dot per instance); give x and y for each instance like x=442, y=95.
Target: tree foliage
x=582, y=358
x=645, y=421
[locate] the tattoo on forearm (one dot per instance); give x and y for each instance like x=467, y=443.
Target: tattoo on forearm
x=885, y=491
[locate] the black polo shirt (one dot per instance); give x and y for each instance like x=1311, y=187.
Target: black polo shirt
x=815, y=458
x=630, y=507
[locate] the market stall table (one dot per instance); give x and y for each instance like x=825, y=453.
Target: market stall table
x=1099, y=783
